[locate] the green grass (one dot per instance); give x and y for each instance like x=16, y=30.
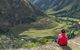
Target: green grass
x=34, y=33
x=37, y=33
x=40, y=33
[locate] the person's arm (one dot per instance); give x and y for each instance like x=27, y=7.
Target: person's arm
x=59, y=36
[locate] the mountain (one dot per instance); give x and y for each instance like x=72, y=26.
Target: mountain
x=69, y=8
x=15, y=12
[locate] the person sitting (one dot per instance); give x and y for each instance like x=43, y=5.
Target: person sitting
x=62, y=38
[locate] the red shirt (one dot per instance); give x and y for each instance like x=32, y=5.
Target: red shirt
x=62, y=39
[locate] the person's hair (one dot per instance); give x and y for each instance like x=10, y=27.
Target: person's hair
x=63, y=31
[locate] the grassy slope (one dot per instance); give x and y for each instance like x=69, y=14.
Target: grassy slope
x=42, y=33
x=73, y=44
x=34, y=33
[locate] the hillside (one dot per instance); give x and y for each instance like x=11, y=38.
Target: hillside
x=69, y=8
x=35, y=24
x=16, y=12
x=72, y=45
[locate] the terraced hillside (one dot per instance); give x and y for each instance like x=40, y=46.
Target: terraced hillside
x=59, y=8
